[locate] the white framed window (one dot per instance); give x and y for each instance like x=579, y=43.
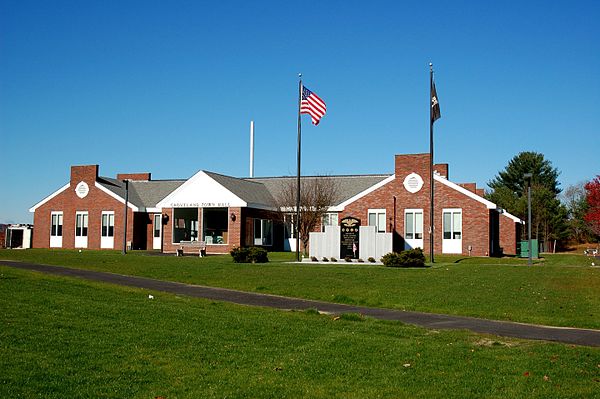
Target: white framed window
x=108, y=224
x=377, y=218
x=452, y=224
x=56, y=224
x=215, y=223
x=157, y=224
x=413, y=224
x=263, y=232
x=329, y=219
x=81, y=224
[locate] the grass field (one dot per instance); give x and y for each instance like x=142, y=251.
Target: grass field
x=70, y=338
x=560, y=290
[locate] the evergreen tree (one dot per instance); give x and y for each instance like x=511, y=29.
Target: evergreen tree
x=509, y=191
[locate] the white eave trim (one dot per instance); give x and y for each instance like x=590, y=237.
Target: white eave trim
x=512, y=217
x=48, y=198
x=472, y=195
x=117, y=197
x=342, y=206
x=260, y=206
x=462, y=190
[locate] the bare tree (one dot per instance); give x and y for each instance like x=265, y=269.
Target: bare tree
x=317, y=194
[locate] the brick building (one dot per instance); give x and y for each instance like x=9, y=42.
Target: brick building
x=224, y=211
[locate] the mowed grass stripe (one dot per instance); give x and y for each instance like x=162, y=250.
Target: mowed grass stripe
x=65, y=337
x=561, y=290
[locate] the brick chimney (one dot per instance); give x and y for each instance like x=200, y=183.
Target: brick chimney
x=86, y=173
x=442, y=169
x=472, y=187
x=134, y=176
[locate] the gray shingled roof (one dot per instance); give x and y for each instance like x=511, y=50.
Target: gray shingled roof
x=254, y=191
x=250, y=191
x=143, y=194
x=347, y=186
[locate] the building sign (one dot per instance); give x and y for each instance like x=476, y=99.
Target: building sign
x=199, y=204
x=82, y=189
x=349, y=234
x=413, y=183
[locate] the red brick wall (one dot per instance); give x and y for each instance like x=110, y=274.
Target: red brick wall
x=233, y=239
x=475, y=215
x=69, y=203
x=509, y=235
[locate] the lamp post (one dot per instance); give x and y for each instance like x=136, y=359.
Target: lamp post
x=126, y=181
x=527, y=177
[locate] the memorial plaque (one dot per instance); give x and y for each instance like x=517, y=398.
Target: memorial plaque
x=349, y=234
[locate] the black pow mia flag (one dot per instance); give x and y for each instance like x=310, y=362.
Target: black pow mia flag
x=435, y=105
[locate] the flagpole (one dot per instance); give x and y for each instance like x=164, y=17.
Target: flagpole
x=297, y=224
x=431, y=214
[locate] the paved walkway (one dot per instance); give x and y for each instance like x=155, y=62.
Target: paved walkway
x=576, y=336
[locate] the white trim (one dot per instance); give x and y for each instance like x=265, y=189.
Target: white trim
x=462, y=190
x=342, y=206
x=195, y=194
x=512, y=217
x=154, y=210
x=117, y=197
x=377, y=212
x=410, y=243
x=470, y=194
x=48, y=198
x=260, y=206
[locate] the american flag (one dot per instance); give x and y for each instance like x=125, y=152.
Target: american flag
x=311, y=104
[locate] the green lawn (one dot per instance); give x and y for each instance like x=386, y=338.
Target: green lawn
x=71, y=338
x=560, y=290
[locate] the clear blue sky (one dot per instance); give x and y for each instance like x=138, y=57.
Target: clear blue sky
x=170, y=87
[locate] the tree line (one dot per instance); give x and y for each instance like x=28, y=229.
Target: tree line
x=558, y=218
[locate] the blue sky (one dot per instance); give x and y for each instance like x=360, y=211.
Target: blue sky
x=170, y=87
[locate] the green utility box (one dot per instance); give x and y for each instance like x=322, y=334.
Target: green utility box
x=523, y=249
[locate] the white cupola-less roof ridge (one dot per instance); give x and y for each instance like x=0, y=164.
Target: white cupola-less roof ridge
x=201, y=191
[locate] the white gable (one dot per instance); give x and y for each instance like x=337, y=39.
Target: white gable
x=201, y=191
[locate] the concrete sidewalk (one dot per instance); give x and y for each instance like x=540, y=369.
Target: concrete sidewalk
x=576, y=336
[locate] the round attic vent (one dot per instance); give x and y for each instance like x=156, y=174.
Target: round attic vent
x=82, y=189
x=413, y=183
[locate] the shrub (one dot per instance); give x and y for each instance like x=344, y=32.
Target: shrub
x=258, y=255
x=371, y=259
x=325, y=259
x=313, y=258
x=410, y=258
x=333, y=259
x=360, y=260
x=348, y=259
x=249, y=255
x=240, y=254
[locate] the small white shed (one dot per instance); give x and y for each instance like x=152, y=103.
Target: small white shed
x=19, y=236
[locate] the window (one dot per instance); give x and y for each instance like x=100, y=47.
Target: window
x=185, y=224
x=56, y=224
x=157, y=222
x=329, y=219
x=452, y=224
x=81, y=224
x=263, y=232
x=377, y=219
x=215, y=222
x=413, y=224
x=108, y=224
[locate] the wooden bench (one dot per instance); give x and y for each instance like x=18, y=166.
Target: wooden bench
x=191, y=246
